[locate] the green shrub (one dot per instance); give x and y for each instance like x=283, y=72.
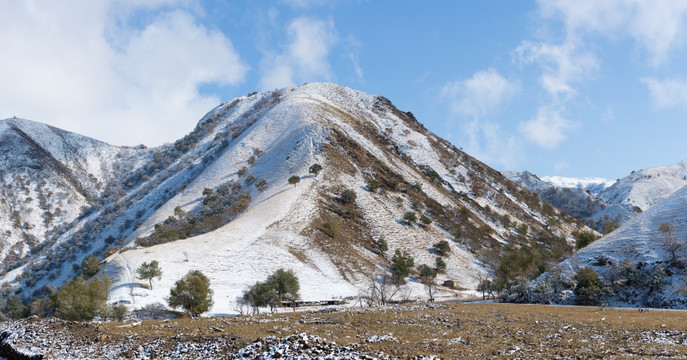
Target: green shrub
x=589, y=289
x=410, y=217
x=118, y=312
x=315, y=169
x=293, y=180
x=89, y=267
x=14, y=307
x=382, y=246
x=401, y=264
x=442, y=247
x=347, y=196
x=372, y=185
x=426, y=273
x=584, y=238
x=82, y=300
x=425, y=220
x=440, y=265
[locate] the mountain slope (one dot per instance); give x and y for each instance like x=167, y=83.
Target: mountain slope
x=647, y=187
x=644, y=260
x=253, y=145
x=47, y=176
x=577, y=201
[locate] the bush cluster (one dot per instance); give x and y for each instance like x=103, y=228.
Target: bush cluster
x=219, y=207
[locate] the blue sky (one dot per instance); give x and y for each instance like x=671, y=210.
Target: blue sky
x=572, y=88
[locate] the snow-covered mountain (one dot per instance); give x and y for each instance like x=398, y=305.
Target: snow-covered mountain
x=594, y=185
x=597, y=200
x=249, y=148
x=647, y=187
x=577, y=198
x=643, y=261
x=47, y=177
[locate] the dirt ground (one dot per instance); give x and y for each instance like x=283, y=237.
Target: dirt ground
x=445, y=330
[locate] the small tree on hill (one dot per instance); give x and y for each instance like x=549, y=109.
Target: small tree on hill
x=89, y=267
x=282, y=285
x=589, y=289
x=14, y=307
x=410, y=217
x=260, y=294
x=285, y=285
x=442, y=247
x=440, y=265
x=584, y=238
x=372, y=185
x=401, y=264
x=315, y=169
x=148, y=271
x=192, y=293
x=347, y=196
x=484, y=286
x=293, y=180
x=382, y=246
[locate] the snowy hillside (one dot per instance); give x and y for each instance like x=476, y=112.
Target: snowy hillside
x=47, y=176
x=575, y=196
x=253, y=145
x=594, y=185
x=646, y=187
x=644, y=260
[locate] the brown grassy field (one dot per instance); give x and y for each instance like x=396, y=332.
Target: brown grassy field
x=456, y=331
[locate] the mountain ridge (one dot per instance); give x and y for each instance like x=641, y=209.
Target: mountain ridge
x=330, y=243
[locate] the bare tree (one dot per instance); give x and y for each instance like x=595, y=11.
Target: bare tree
x=382, y=289
x=430, y=288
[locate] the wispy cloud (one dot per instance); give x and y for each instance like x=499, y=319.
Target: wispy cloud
x=547, y=129
x=666, y=93
x=305, y=56
x=65, y=69
x=562, y=66
x=658, y=25
x=477, y=98
x=480, y=95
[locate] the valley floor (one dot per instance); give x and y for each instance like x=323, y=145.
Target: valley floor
x=444, y=330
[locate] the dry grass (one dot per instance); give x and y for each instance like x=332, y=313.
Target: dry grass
x=484, y=330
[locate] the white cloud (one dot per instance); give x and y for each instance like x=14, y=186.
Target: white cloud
x=305, y=57
x=479, y=95
x=547, y=129
x=562, y=66
x=487, y=142
x=303, y=4
x=658, y=25
x=60, y=65
x=667, y=93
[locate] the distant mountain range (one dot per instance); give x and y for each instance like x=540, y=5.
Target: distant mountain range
x=598, y=201
x=238, y=198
